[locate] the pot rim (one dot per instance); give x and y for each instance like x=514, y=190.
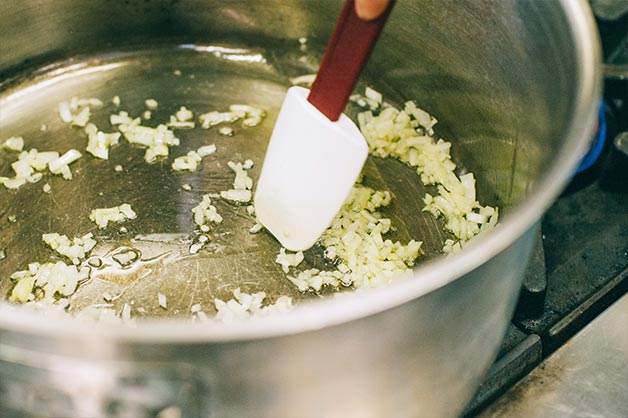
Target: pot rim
x=433, y=274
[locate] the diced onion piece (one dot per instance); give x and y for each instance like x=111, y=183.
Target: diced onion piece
x=215, y=118
x=206, y=150
x=205, y=212
x=51, y=278
x=250, y=115
x=151, y=104
x=81, y=118
x=225, y=131
x=103, y=216
x=184, y=114
x=75, y=249
x=98, y=142
x=245, y=305
x=163, y=302
x=156, y=140
x=374, y=95
x=187, y=162
x=242, y=180
x=14, y=143
x=64, y=112
x=242, y=196
x=122, y=118
x=287, y=260
x=28, y=168
x=61, y=164
x=177, y=124
x=247, y=165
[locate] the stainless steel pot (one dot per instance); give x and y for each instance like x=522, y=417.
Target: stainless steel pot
x=516, y=86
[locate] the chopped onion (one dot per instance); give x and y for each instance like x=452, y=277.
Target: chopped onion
x=163, y=302
x=77, y=111
x=28, y=168
x=15, y=143
x=244, y=305
x=187, y=162
x=251, y=116
x=225, y=131
x=408, y=135
x=241, y=196
x=115, y=214
x=356, y=242
x=248, y=164
x=184, y=114
x=182, y=119
x=242, y=184
x=287, y=260
x=374, y=95
x=75, y=249
x=205, y=212
x=51, y=278
x=151, y=104
x=206, y=150
x=61, y=164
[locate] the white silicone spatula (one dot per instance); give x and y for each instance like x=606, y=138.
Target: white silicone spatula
x=316, y=153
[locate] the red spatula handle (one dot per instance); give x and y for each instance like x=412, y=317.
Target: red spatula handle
x=346, y=54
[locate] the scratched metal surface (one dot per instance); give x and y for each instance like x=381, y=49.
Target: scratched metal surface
x=211, y=78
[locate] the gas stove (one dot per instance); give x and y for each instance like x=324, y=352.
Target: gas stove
x=580, y=264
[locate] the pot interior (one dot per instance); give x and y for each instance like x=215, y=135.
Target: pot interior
x=499, y=76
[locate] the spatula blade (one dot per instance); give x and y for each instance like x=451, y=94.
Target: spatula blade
x=310, y=166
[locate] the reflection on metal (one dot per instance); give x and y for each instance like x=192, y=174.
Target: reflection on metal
x=230, y=54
